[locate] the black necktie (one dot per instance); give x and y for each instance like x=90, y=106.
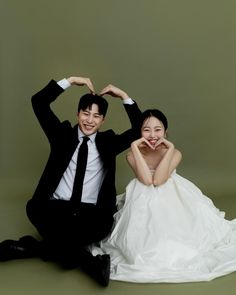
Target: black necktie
x=80, y=171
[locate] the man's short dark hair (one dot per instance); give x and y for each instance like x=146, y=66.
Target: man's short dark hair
x=87, y=100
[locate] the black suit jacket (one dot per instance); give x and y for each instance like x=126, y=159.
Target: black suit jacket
x=63, y=139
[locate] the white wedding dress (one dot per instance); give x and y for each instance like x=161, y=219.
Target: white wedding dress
x=170, y=233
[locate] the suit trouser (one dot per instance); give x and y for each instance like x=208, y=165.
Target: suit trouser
x=66, y=232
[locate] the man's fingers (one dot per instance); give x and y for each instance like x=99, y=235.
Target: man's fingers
x=90, y=86
x=106, y=90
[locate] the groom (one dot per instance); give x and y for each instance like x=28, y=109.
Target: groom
x=75, y=199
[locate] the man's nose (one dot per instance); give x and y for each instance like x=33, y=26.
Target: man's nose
x=90, y=119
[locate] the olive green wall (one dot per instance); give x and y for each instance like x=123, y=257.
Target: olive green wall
x=177, y=55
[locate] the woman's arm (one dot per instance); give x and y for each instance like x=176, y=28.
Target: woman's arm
x=138, y=163
x=168, y=163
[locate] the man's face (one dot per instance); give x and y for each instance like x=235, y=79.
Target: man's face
x=90, y=120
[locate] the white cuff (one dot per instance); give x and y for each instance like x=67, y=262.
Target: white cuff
x=128, y=101
x=64, y=83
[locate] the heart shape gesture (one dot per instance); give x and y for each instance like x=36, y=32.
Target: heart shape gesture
x=109, y=89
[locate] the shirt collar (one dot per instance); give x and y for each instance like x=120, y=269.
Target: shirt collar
x=81, y=135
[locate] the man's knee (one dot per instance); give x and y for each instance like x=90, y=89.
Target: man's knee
x=33, y=210
x=29, y=209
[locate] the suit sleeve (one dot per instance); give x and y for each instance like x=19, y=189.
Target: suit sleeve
x=41, y=105
x=124, y=140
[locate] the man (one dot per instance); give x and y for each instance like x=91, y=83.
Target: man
x=72, y=208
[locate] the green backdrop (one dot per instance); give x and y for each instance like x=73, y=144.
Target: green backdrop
x=176, y=55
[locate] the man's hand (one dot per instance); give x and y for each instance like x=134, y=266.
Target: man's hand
x=114, y=91
x=80, y=81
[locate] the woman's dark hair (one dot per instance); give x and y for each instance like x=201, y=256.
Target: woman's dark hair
x=87, y=100
x=154, y=113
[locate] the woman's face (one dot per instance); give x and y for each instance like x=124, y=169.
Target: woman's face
x=152, y=130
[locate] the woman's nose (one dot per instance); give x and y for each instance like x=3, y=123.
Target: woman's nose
x=152, y=134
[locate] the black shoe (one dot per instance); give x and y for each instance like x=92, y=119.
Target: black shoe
x=102, y=269
x=97, y=267
x=26, y=247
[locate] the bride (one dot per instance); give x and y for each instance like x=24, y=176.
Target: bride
x=165, y=229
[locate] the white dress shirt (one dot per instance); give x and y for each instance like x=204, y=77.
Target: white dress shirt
x=93, y=175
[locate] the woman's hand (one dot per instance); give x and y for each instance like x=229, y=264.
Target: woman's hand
x=142, y=142
x=166, y=143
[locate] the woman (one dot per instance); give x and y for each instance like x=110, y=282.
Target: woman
x=166, y=230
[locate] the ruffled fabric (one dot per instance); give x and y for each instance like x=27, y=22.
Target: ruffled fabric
x=171, y=233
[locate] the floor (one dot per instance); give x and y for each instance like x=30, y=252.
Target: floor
x=34, y=276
